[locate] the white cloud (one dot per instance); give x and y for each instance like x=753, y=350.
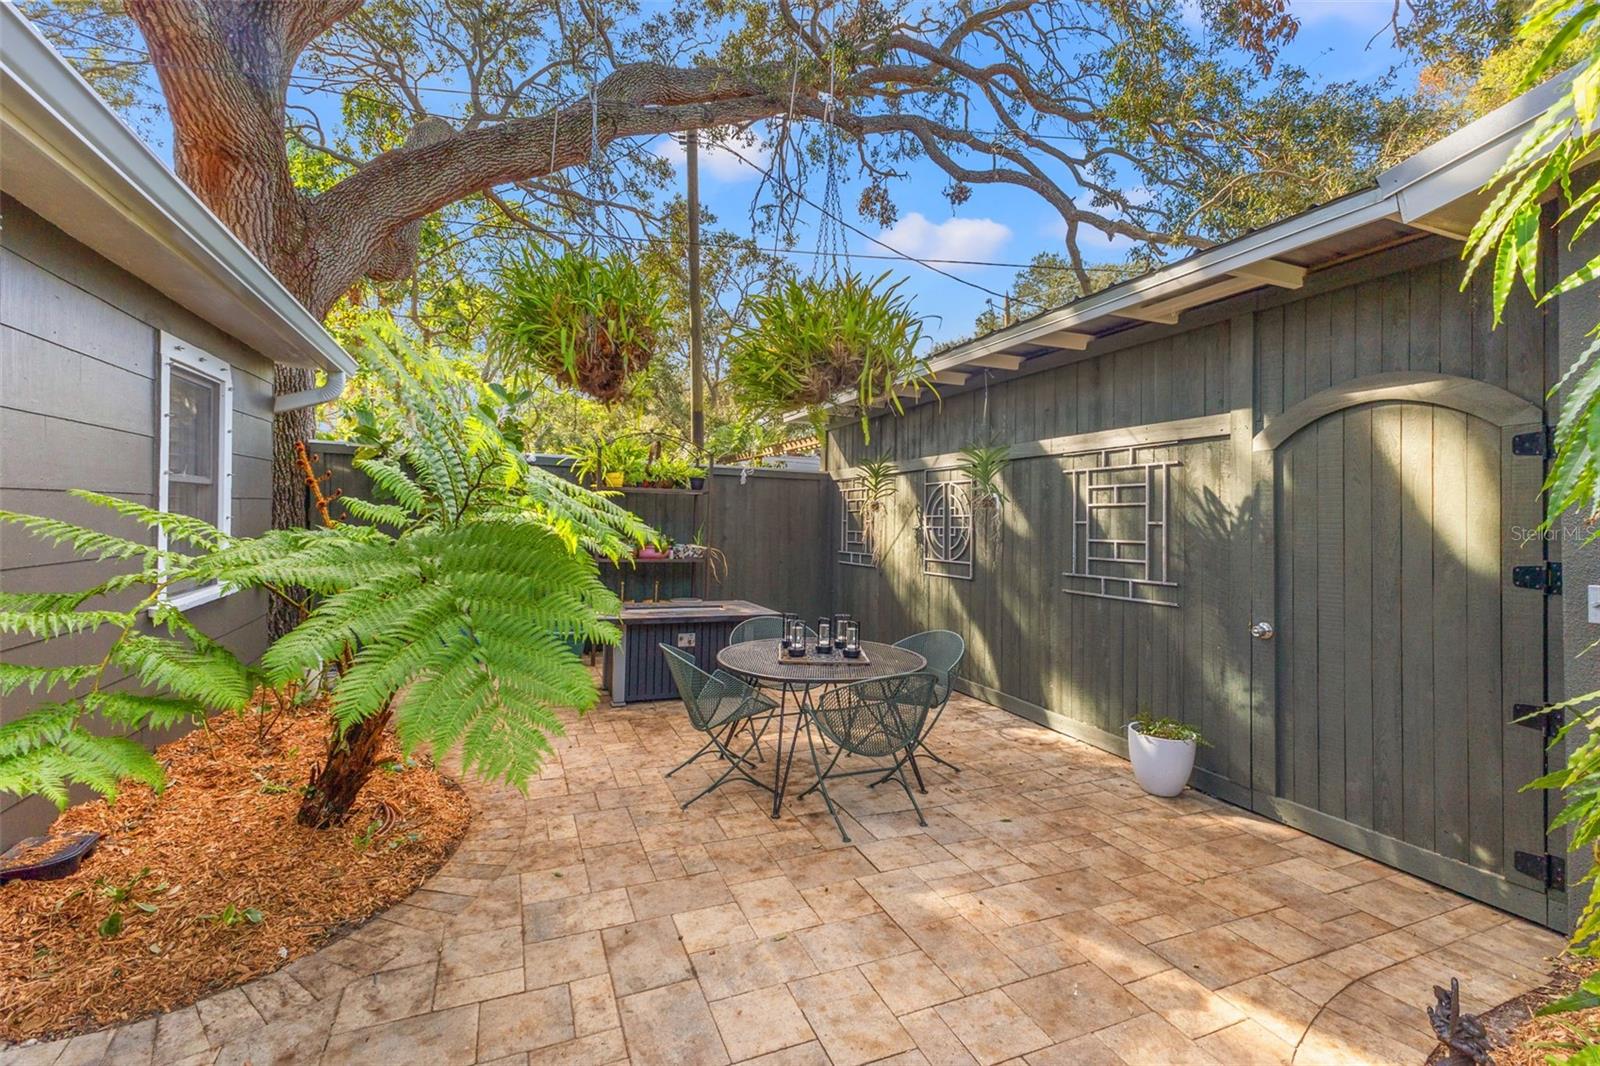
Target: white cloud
x=954, y=238
x=722, y=162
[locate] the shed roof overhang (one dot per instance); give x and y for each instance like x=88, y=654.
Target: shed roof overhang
x=1436, y=191
x=68, y=157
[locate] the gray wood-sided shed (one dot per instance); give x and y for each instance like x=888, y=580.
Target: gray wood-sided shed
x=1310, y=433
x=112, y=274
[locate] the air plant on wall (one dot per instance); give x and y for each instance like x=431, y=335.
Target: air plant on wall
x=983, y=465
x=877, y=489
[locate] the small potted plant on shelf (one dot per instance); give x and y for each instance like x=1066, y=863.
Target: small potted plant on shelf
x=699, y=549
x=672, y=472
x=655, y=552
x=1162, y=752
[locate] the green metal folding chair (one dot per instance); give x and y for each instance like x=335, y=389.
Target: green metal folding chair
x=877, y=719
x=943, y=651
x=767, y=628
x=719, y=705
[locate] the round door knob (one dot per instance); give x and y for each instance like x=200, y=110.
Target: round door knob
x=1263, y=631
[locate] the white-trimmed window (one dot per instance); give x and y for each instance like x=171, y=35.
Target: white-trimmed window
x=196, y=446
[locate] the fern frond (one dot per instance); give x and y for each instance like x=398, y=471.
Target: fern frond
x=43, y=678
x=78, y=756
x=212, y=677
x=83, y=540
x=178, y=527
x=49, y=624
x=134, y=711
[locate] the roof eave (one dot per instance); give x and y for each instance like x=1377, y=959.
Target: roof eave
x=1438, y=190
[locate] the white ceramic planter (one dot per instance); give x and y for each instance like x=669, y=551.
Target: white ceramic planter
x=1160, y=766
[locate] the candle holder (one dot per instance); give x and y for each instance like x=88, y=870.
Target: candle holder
x=824, y=637
x=840, y=621
x=852, y=643
x=797, y=641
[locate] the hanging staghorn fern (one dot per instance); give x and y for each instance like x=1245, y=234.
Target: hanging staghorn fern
x=457, y=621
x=591, y=323
x=812, y=340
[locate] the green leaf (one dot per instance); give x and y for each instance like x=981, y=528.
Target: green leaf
x=111, y=925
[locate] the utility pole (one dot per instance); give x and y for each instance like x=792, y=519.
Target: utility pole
x=697, y=357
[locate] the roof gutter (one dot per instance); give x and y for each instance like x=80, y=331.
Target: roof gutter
x=327, y=392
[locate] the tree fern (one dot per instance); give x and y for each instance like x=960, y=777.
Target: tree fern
x=454, y=608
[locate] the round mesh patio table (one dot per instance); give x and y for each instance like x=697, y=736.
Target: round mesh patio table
x=766, y=660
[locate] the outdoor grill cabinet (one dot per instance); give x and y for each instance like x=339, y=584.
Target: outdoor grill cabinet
x=635, y=669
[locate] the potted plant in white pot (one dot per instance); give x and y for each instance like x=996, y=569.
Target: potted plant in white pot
x=1162, y=752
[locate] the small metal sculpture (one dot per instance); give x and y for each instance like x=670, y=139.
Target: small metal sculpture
x=1463, y=1034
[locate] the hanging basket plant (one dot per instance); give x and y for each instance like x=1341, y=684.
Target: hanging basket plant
x=810, y=340
x=590, y=323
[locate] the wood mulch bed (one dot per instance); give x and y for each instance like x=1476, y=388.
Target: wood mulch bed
x=214, y=882
x=1531, y=1039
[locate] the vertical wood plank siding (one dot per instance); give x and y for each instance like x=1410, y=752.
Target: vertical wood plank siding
x=79, y=343
x=1377, y=540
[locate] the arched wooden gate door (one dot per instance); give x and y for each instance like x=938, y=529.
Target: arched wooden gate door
x=1384, y=699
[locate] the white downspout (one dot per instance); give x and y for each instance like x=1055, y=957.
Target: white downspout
x=324, y=393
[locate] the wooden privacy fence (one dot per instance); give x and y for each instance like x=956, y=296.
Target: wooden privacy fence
x=775, y=528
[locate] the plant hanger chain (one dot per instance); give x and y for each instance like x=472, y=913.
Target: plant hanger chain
x=832, y=240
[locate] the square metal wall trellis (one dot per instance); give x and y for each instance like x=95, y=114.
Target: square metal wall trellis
x=947, y=524
x=855, y=534
x=1121, y=517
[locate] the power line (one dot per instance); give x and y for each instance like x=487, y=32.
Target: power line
x=342, y=82
x=825, y=215
x=631, y=238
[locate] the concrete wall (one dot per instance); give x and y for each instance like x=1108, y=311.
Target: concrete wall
x=79, y=344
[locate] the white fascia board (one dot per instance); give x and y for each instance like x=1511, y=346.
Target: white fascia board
x=1461, y=164
x=66, y=146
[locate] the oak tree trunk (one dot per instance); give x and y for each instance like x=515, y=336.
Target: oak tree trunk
x=352, y=756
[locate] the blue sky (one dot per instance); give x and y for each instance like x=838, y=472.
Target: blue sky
x=1339, y=40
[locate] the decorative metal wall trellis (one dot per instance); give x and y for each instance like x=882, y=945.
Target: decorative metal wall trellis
x=855, y=534
x=1121, y=513
x=946, y=524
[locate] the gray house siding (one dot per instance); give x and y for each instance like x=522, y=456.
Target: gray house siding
x=79, y=359
x=1378, y=539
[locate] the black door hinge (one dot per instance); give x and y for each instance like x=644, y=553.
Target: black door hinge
x=1551, y=869
x=1540, y=442
x=1546, y=576
x=1537, y=716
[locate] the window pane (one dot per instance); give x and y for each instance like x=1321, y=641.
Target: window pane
x=193, y=433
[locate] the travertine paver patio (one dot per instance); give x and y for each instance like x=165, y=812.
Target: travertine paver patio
x=1050, y=913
